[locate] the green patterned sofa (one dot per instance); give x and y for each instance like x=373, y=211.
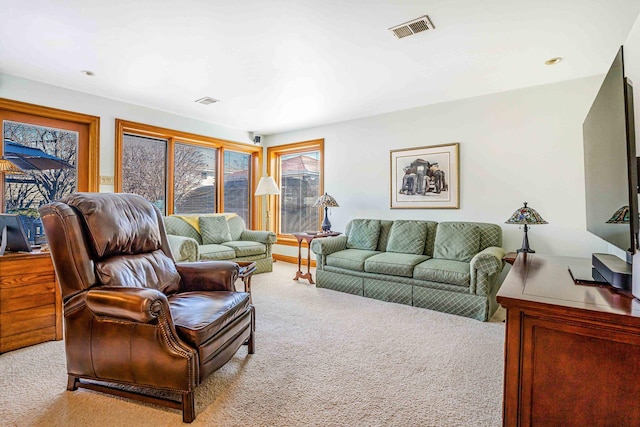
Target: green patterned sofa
x=451, y=267
x=220, y=236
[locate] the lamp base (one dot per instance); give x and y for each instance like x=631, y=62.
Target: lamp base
x=526, y=250
x=326, y=225
x=525, y=243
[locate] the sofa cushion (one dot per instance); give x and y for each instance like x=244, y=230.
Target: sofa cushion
x=393, y=264
x=216, y=252
x=179, y=227
x=364, y=234
x=443, y=271
x=407, y=237
x=246, y=247
x=214, y=229
x=350, y=259
x=457, y=241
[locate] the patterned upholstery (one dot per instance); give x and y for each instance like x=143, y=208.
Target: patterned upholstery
x=214, y=229
x=350, y=259
x=393, y=264
x=385, y=229
x=363, y=234
x=388, y=291
x=407, y=237
x=216, y=252
x=485, y=266
x=177, y=227
x=244, y=248
x=235, y=243
x=445, y=271
x=457, y=241
x=432, y=226
x=464, y=284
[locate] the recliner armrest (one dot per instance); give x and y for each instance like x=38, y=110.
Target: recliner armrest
x=208, y=275
x=135, y=304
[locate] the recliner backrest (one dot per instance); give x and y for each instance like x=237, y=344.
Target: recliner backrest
x=109, y=239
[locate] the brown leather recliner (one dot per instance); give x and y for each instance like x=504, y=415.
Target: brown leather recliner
x=132, y=315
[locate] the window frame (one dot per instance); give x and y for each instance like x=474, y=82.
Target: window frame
x=88, y=175
x=274, y=154
x=174, y=136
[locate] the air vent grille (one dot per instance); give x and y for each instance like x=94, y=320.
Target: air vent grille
x=207, y=100
x=412, y=27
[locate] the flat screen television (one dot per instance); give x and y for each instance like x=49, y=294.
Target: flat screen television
x=13, y=238
x=611, y=174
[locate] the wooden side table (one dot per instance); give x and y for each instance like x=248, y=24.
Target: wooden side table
x=247, y=268
x=510, y=257
x=306, y=237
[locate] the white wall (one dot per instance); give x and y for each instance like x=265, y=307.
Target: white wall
x=108, y=110
x=523, y=145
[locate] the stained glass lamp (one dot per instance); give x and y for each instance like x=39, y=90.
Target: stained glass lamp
x=326, y=201
x=621, y=216
x=526, y=216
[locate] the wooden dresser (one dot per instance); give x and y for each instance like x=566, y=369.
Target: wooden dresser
x=30, y=301
x=572, y=352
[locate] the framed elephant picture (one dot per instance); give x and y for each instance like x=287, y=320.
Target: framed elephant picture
x=426, y=177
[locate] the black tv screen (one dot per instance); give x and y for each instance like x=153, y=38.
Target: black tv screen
x=610, y=161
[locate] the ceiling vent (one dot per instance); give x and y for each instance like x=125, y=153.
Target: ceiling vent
x=412, y=27
x=207, y=100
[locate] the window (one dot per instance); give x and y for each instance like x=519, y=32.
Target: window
x=184, y=173
x=143, y=163
x=56, y=154
x=194, y=184
x=298, y=170
x=237, y=180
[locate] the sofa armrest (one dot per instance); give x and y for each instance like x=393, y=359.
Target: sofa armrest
x=328, y=245
x=208, y=275
x=485, y=267
x=266, y=237
x=183, y=248
x=140, y=305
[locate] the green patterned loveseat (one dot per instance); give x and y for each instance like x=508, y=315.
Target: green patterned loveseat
x=451, y=267
x=220, y=236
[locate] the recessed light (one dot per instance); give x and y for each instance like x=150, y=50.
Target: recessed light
x=553, y=61
x=88, y=73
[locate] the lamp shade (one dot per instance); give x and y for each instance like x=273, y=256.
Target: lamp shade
x=7, y=167
x=526, y=215
x=326, y=201
x=266, y=186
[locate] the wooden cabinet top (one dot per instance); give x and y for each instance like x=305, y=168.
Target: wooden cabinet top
x=11, y=256
x=544, y=282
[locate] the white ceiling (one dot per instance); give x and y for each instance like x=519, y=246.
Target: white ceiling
x=280, y=65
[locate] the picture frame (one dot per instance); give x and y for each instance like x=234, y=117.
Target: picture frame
x=426, y=177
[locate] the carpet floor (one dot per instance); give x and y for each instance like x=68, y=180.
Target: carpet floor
x=323, y=358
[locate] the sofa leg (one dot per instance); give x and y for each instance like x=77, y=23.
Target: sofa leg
x=72, y=383
x=188, y=407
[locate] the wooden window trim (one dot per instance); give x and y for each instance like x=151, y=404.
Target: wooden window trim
x=273, y=169
x=175, y=136
x=92, y=122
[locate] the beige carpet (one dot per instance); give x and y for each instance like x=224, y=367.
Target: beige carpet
x=323, y=358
